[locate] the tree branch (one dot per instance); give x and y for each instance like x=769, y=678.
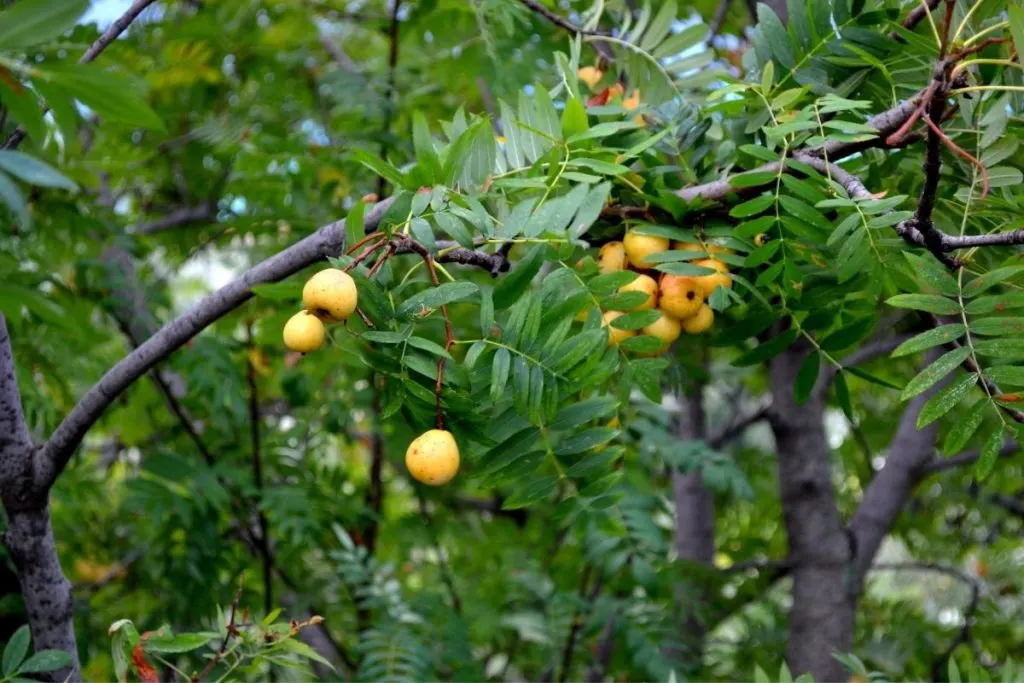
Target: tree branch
x=110, y=35
x=915, y=16
x=937, y=464
x=390, y=92
x=257, y=476
x=180, y=217
x=327, y=241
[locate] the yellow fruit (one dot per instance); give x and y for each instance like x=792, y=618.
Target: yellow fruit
x=647, y=285
x=611, y=257
x=590, y=75
x=709, y=282
x=633, y=101
x=700, y=322
x=687, y=246
x=615, y=335
x=433, y=457
x=331, y=293
x=761, y=239
x=666, y=328
x=681, y=296
x=304, y=332
x=639, y=247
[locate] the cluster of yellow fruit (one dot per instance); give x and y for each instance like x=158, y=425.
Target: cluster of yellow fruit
x=330, y=296
x=680, y=299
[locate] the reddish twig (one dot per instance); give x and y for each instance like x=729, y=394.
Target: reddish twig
x=231, y=631
x=365, y=254
x=947, y=23
x=957, y=56
x=962, y=153
x=369, y=238
x=382, y=260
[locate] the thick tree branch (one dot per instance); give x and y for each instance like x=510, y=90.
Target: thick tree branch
x=886, y=495
x=110, y=35
x=15, y=440
x=328, y=241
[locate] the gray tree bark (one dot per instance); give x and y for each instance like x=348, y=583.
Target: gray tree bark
x=821, y=619
x=29, y=535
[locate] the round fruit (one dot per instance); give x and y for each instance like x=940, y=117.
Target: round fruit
x=611, y=257
x=666, y=328
x=700, y=322
x=688, y=246
x=639, y=247
x=709, y=282
x=331, y=293
x=590, y=75
x=433, y=457
x=615, y=335
x=681, y=296
x=647, y=285
x=304, y=332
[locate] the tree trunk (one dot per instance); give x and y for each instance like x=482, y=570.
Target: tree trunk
x=29, y=536
x=822, y=616
x=695, y=529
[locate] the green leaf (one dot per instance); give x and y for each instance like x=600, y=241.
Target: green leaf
x=774, y=32
x=296, y=646
x=514, y=283
x=848, y=335
x=769, y=349
x=932, y=274
x=475, y=163
x=1016, y=15
x=45, y=660
x=23, y=107
x=1006, y=374
x=113, y=97
x=426, y=302
x=989, y=454
x=499, y=373
x=963, y=428
x=586, y=440
x=573, y=416
x=590, y=209
x=14, y=200
x=752, y=207
x=990, y=279
x=999, y=326
x=807, y=377
x=934, y=372
x=635, y=320
x=486, y=310
x=475, y=351
x=842, y=392
x=995, y=303
x=644, y=343
x=17, y=646
x=1005, y=349
x=184, y=642
x=574, y=118
x=943, y=334
x=762, y=254
x=355, y=228
x=537, y=490
x=945, y=400
x=429, y=346
x=379, y=166
x=31, y=22
x=925, y=302
x=455, y=228
x=423, y=146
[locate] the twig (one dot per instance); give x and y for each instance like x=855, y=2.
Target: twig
x=179, y=217
x=389, y=94
x=738, y=426
x=915, y=16
x=231, y=631
x=257, y=476
x=721, y=12
x=442, y=562
x=937, y=464
x=98, y=46
x=577, y=622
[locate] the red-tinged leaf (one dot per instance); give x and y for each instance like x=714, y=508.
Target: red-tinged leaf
x=143, y=669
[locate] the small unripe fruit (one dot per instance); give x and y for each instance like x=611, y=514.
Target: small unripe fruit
x=331, y=293
x=709, y=282
x=701, y=322
x=611, y=257
x=681, y=296
x=433, y=457
x=304, y=332
x=647, y=285
x=666, y=328
x=639, y=247
x=615, y=335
